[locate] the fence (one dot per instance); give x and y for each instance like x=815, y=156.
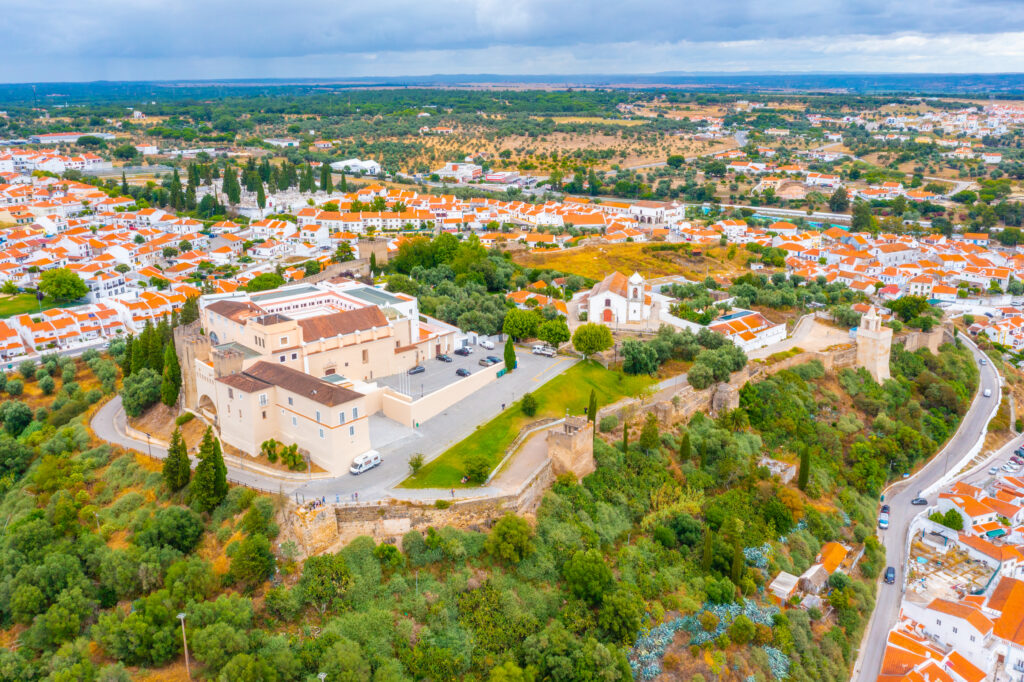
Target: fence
x=524, y=433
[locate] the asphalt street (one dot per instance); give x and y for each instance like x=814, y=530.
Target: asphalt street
x=898, y=497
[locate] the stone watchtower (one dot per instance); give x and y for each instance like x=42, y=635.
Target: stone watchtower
x=571, y=447
x=874, y=343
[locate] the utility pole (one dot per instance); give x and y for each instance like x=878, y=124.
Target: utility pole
x=184, y=641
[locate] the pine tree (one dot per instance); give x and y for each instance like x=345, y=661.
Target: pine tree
x=709, y=550
x=325, y=178
x=592, y=407
x=209, y=485
x=684, y=448
x=805, y=468
x=170, y=387
x=261, y=197
x=177, y=470
x=124, y=184
x=344, y=183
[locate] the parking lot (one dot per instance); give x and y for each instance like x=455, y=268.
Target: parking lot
x=438, y=374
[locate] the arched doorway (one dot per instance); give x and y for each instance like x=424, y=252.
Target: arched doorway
x=607, y=315
x=208, y=408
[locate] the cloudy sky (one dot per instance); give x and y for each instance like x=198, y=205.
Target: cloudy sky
x=66, y=40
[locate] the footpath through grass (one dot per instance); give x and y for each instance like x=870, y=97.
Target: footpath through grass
x=569, y=390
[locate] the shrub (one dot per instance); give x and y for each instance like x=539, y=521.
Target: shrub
x=15, y=386
x=47, y=384
x=477, y=468
x=442, y=504
x=184, y=419
x=708, y=621
x=529, y=405
x=416, y=463
x=608, y=423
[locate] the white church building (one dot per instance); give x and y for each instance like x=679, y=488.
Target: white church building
x=622, y=302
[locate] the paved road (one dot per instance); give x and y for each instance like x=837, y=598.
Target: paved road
x=898, y=496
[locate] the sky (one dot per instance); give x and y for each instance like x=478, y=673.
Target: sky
x=72, y=40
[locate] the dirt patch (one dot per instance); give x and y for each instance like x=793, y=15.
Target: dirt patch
x=158, y=421
x=595, y=262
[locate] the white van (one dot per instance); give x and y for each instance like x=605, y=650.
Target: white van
x=544, y=349
x=365, y=462
x=484, y=343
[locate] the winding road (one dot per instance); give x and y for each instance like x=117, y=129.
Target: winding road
x=960, y=449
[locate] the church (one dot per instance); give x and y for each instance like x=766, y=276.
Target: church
x=618, y=300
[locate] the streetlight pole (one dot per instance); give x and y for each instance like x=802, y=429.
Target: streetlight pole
x=184, y=641
x=149, y=445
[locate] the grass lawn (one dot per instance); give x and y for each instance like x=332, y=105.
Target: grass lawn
x=569, y=390
x=20, y=304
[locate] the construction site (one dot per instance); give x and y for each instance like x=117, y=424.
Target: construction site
x=939, y=569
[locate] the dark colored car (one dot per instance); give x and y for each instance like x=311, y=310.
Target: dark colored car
x=885, y=509
x=463, y=372
x=464, y=352
x=890, y=575
x=494, y=359
x=444, y=358
x=418, y=369
x=1019, y=452
x=919, y=501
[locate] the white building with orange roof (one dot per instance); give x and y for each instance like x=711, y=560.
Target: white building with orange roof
x=748, y=329
x=11, y=345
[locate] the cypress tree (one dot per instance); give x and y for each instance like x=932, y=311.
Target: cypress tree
x=325, y=178
x=140, y=350
x=685, y=451
x=344, y=183
x=232, y=190
x=176, y=199
x=709, y=552
x=126, y=359
x=592, y=407
x=805, y=468
x=261, y=197
x=177, y=470
x=170, y=387
x=737, y=561
x=510, y=356
x=209, y=485
x=625, y=437
x=124, y=184
x=373, y=263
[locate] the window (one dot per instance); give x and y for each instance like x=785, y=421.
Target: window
x=295, y=422
x=351, y=430
x=938, y=622
x=954, y=631
x=341, y=417
x=295, y=356
x=318, y=416
x=321, y=433
x=290, y=401
x=355, y=413
x=231, y=394
x=284, y=340
x=263, y=399
x=972, y=638
x=366, y=356
x=607, y=303
x=264, y=414
x=282, y=358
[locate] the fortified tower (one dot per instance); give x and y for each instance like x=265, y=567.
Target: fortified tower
x=874, y=343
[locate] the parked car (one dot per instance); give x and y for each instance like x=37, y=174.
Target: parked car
x=983, y=361
x=993, y=471
x=919, y=501
x=444, y=358
x=464, y=352
x=418, y=369
x=364, y=463
x=1008, y=469
x=987, y=393
x=463, y=372
x=890, y=575
x=494, y=359
x=885, y=509
x=542, y=349
x=484, y=343
x=883, y=521
x=1016, y=460
x=1019, y=452
x=485, y=362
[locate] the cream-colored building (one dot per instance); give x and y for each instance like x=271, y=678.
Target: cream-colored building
x=301, y=364
x=327, y=420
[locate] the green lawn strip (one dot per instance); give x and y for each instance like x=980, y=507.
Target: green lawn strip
x=569, y=390
x=19, y=304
